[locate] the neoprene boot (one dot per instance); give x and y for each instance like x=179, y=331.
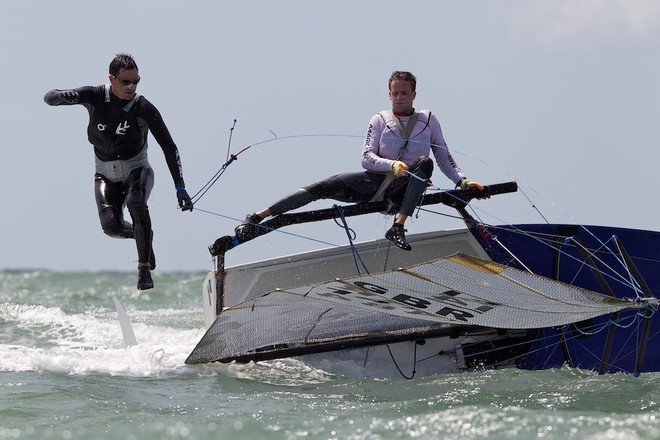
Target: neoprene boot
x=248, y=229
x=397, y=235
x=144, y=278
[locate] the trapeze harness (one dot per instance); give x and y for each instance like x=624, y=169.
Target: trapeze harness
x=365, y=186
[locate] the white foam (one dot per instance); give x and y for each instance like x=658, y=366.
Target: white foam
x=48, y=339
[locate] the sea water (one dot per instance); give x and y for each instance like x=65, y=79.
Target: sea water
x=65, y=373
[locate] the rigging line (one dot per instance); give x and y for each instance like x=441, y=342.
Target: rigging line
x=476, y=354
x=229, y=159
x=513, y=227
x=525, y=233
x=207, y=186
x=463, y=202
x=443, y=214
x=297, y=136
x=414, y=371
x=277, y=138
x=415, y=176
x=232, y=157
x=577, y=345
x=619, y=322
x=231, y=132
x=511, y=254
x=350, y=233
x=590, y=256
x=387, y=255
x=621, y=355
x=631, y=280
x=520, y=183
x=624, y=349
x=420, y=181
x=419, y=204
x=618, y=256
x=544, y=346
x=490, y=365
x=533, y=205
x=491, y=165
x=577, y=334
x=217, y=175
x=273, y=230
x=543, y=341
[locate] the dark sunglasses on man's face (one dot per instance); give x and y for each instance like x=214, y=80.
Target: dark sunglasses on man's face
x=127, y=82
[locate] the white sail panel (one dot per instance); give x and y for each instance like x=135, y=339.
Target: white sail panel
x=431, y=299
x=462, y=289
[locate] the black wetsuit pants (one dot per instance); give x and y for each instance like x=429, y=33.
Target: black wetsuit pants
x=404, y=192
x=112, y=197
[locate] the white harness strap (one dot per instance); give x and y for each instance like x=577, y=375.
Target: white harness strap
x=405, y=134
x=379, y=196
x=129, y=104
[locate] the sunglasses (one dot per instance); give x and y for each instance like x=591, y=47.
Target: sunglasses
x=127, y=82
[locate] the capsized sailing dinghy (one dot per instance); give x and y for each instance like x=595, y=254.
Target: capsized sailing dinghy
x=470, y=298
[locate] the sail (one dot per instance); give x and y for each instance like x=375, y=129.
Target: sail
x=431, y=299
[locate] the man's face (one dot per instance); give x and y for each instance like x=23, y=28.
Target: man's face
x=125, y=83
x=402, y=96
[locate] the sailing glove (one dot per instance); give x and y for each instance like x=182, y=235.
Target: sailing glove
x=58, y=97
x=399, y=168
x=70, y=96
x=465, y=184
x=184, y=199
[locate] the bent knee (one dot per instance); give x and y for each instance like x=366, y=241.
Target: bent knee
x=115, y=229
x=113, y=224
x=423, y=166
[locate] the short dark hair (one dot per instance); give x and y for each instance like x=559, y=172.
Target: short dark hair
x=122, y=61
x=399, y=75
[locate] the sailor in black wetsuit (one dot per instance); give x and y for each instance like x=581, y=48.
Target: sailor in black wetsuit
x=119, y=122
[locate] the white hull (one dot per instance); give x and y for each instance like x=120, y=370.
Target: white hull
x=395, y=360
x=331, y=302
x=255, y=279
x=404, y=359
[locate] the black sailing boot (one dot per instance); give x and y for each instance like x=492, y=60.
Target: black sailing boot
x=144, y=278
x=248, y=229
x=397, y=235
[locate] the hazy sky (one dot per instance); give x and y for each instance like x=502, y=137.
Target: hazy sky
x=562, y=96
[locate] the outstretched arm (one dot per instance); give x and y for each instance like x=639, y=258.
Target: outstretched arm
x=62, y=97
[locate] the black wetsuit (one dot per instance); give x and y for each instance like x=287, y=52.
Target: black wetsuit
x=403, y=193
x=118, y=131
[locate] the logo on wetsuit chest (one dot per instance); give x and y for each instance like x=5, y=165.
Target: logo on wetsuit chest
x=121, y=128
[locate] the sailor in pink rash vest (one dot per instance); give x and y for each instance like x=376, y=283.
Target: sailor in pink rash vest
x=398, y=143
